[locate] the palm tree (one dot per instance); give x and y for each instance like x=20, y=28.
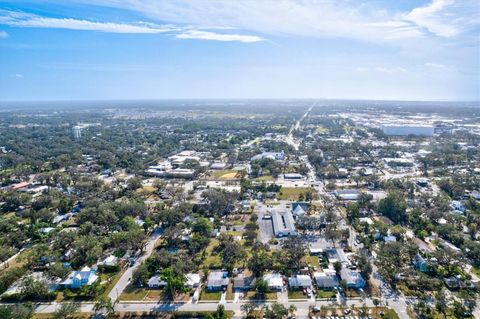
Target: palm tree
x=105, y=304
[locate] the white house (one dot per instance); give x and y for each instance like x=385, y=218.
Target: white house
x=110, y=261
x=274, y=281
x=77, y=279
x=193, y=280
x=156, y=282
x=300, y=281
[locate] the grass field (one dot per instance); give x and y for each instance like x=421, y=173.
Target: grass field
x=313, y=261
x=211, y=259
x=226, y=174
x=264, y=178
x=476, y=270
x=296, y=294
x=210, y=295
x=374, y=312
x=252, y=295
x=325, y=293
x=290, y=193
x=112, y=281
x=230, y=293
x=133, y=294
x=80, y=315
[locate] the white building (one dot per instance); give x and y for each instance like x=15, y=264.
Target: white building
x=77, y=132
x=407, y=129
x=274, y=281
x=283, y=224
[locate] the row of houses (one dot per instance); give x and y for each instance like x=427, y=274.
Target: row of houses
x=326, y=280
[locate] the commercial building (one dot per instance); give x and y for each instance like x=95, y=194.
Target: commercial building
x=407, y=129
x=283, y=224
x=293, y=176
x=77, y=132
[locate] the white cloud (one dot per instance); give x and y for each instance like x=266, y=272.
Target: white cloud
x=3, y=34
x=446, y=18
x=18, y=76
x=435, y=65
x=392, y=70
x=308, y=18
x=208, y=35
x=361, y=69
x=18, y=19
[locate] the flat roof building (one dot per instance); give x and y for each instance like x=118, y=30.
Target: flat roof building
x=407, y=129
x=283, y=224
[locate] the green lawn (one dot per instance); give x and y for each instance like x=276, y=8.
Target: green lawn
x=476, y=270
x=230, y=294
x=133, y=294
x=374, y=312
x=112, y=281
x=264, y=178
x=211, y=258
x=291, y=193
x=325, y=293
x=220, y=173
x=296, y=294
x=79, y=315
x=210, y=295
x=253, y=295
x=313, y=261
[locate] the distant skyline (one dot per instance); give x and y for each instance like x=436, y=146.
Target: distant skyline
x=167, y=49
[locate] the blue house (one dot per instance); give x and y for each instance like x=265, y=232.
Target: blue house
x=420, y=263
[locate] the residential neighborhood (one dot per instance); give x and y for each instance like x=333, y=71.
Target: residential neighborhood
x=316, y=212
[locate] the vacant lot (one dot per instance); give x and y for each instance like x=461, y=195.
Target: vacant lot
x=290, y=193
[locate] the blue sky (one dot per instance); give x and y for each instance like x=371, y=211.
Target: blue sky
x=148, y=49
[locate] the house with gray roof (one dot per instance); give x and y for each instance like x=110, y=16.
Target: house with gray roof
x=217, y=280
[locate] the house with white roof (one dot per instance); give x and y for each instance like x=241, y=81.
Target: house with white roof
x=274, y=281
x=300, y=282
x=193, y=280
x=77, y=279
x=110, y=261
x=156, y=282
x=353, y=278
x=217, y=280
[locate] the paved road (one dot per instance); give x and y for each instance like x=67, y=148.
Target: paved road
x=127, y=275
x=303, y=307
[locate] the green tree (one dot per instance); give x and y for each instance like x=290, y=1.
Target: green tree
x=17, y=311
x=338, y=267
x=275, y=311
x=66, y=310
x=104, y=305
x=261, y=286
x=394, y=207
x=175, y=282
x=203, y=227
